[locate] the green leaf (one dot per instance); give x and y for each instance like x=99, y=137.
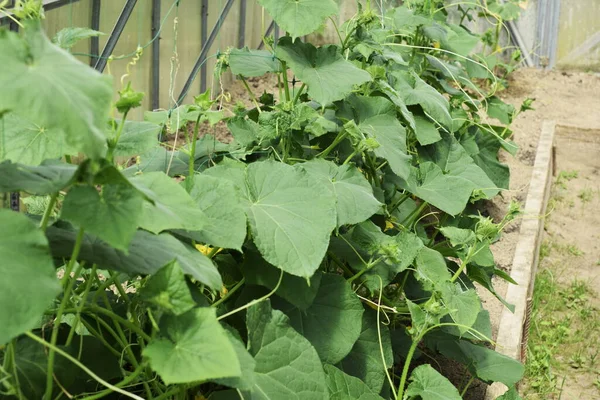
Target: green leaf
x=420, y=320
x=446, y=192
x=332, y=323
x=431, y=385
x=287, y=366
x=243, y=130
x=399, y=102
x=295, y=290
x=458, y=237
x=406, y=19
x=225, y=218
x=27, y=142
x=68, y=37
x=137, y=138
x=426, y=131
x=111, y=214
x=459, y=40
x=168, y=290
x=364, y=360
x=346, y=387
x=59, y=100
x=483, y=363
x=354, y=196
x=512, y=394
x=251, y=63
x=463, y=306
x=192, y=347
x=416, y=91
x=291, y=216
x=328, y=75
x=50, y=177
x=173, y=207
x=431, y=268
x=485, y=154
x=300, y=17
x=500, y=110
x=247, y=378
x=147, y=254
x=29, y=282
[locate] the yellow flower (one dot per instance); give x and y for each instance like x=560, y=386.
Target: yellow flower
x=388, y=225
x=203, y=249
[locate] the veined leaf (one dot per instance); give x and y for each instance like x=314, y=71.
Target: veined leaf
x=137, y=138
x=364, y=360
x=332, y=322
x=50, y=177
x=463, y=306
x=346, y=387
x=251, y=63
x=60, y=101
x=431, y=385
x=173, y=207
x=325, y=71
x=431, y=268
x=426, y=131
x=247, y=378
x=354, y=196
x=192, y=347
x=168, y=290
x=287, y=366
x=483, y=149
x=111, y=214
x=147, y=253
x=29, y=284
x=68, y=37
x=299, y=17
x=27, y=142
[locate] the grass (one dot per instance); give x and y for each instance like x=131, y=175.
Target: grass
x=562, y=335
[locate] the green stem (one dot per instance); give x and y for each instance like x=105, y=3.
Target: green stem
x=362, y=271
x=464, y=391
x=48, y=212
x=54, y=349
x=54, y=337
x=409, y=356
x=339, y=263
x=113, y=144
x=341, y=136
x=297, y=97
x=463, y=264
x=168, y=394
x=252, y=96
x=253, y=302
x=126, y=381
x=350, y=157
x=192, y=160
x=229, y=293
x=286, y=88
x=403, y=198
x=337, y=30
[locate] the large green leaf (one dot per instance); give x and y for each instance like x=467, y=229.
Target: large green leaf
x=332, y=323
x=431, y=385
x=446, y=192
x=431, y=268
x=137, y=137
x=251, y=63
x=364, y=361
x=173, y=207
x=147, y=253
x=59, y=100
x=287, y=366
x=299, y=17
x=111, y=214
x=483, y=363
x=225, y=218
x=414, y=90
x=294, y=289
x=25, y=141
x=168, y=290
x=192, y=347
x=50, y=177
x=454, y=160
x=354, y=195
x=426, y=131
x=463, y=305
x=328, y=75
x=346, y=387
x=29, y=280
x=291, y=215
x=247, y=378
x=483, y=149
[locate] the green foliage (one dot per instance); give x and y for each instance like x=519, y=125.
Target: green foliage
x=334, y=240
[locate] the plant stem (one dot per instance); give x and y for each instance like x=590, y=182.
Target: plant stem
x=337, y=30
x=126, y=381
x=286, y=88
x=462, y=394
x=409, y=356
x=252, y=96
x=48, y=212
x=253, y=302
x=350, y=157
x=229, y=293
x=192, y=160
x=54, y=337
x=53, y=348
x=297, y=97
x=341, y=136
x=463, y=264
x=362, y=271
x=113, y=144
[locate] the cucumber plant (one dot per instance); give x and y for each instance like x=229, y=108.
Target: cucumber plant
x=319, y=255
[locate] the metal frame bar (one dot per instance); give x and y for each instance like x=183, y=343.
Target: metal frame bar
x=203, y=39
x=203, y=53
x=242, y=25
x=115, y=34
x=95, y=25
x=155, y=89
x=267, y=33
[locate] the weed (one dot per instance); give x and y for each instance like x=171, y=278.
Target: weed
x=586, y=195
x=566, y=176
